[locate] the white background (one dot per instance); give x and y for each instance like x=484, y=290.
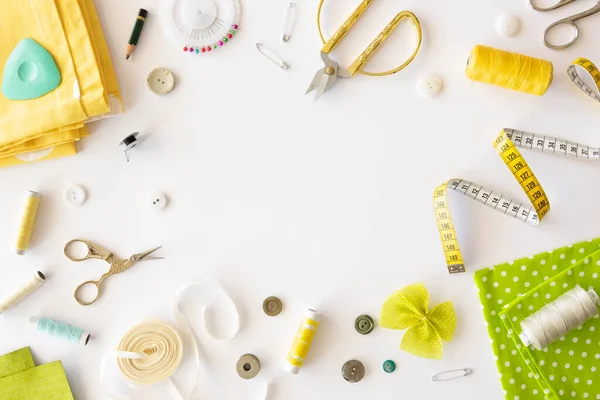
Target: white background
x=324, y=204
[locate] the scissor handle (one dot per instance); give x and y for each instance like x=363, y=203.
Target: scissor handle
x=98, y=286
x=554, y=7
x=342, y=30
x=364, y=57
x=568, y=21
x=93, y=251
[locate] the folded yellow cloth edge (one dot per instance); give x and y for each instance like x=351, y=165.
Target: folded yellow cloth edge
x=60, y=142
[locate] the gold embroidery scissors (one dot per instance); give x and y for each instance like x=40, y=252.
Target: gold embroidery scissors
x=326, y=77
x=572, y=20
x=117, y=265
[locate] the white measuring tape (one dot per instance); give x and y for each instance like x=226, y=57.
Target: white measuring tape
x=506, y=145
x=591, y=70
x=549, y=144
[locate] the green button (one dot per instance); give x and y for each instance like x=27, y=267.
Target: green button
x=272, y=306
x=364, y=324
x=389, y=366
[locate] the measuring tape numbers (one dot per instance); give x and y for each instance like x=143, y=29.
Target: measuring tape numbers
x=552, y=145
x=592, y=70
x=531, y=213
x=506, y=145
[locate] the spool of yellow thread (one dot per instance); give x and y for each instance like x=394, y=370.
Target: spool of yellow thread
x=27, y=221
x=509, y=70
x=302, y=342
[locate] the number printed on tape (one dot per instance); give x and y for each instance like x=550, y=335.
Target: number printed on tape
x=531, y=213
x=590, y=69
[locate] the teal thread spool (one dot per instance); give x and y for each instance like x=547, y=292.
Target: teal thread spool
x=60, y=330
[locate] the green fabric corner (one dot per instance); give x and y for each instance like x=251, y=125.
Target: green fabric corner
x=46, y=382
x=15, y=362
x=509, y=292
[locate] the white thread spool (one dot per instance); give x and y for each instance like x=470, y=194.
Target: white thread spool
x=558, y=318
x=38, y=279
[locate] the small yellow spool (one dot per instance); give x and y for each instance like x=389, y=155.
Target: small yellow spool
x=27, y=221
x=302, y=341
x=509, y=70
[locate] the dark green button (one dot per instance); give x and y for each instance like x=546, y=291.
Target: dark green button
x=389, y=366
x=364, y=324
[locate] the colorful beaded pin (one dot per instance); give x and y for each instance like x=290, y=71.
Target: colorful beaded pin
x=214, y=46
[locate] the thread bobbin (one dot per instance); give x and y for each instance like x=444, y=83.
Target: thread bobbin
x=130, y=141
x=28, y=288
x=535, y=333
x=63, y=331
x=27, y=222
x=509, y=70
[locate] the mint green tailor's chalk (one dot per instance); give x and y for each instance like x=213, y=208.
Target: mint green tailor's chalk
x=30, y=72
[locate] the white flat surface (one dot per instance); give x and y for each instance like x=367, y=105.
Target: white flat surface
x=324, y=204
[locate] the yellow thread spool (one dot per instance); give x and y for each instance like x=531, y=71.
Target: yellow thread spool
x=509, y=70
x=27, y=221
x=302, y=342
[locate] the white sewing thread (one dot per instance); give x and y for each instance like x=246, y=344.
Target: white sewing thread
x=558, y=318
x=28, y=288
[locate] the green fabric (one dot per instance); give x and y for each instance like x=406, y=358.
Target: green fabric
x=15, y=362
x=20, y=379
x=510, y=292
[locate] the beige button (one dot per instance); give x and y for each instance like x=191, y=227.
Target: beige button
x=161, y=80
x=248, y=366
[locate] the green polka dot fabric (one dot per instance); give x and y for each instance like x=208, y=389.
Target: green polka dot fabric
x=510, y=292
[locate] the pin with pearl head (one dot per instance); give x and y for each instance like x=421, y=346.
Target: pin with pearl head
x=129, y=142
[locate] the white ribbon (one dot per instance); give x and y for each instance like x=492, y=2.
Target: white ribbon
x=214, y=293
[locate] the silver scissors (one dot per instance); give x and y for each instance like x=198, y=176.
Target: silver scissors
x=572, y=20
x=117, y=265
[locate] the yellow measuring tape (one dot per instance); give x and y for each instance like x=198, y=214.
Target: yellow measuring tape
x=531, y=214
x=592, y=70
x=506, y=145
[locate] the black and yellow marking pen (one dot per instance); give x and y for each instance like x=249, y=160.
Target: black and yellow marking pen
x=137, y=31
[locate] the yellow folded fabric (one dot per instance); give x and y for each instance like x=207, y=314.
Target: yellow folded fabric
x=70, y=30
x=40, y=21
x=44, y=142
x=63, y=150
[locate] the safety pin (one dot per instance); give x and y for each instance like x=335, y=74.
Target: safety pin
x=268, y=53
x=288, y=22
x=450, y=375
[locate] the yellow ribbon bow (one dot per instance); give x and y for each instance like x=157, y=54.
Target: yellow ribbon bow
x=408, y=308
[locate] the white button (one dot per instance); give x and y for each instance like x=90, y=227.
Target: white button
x=430, y=86
x=75, y=195
x=158, y=202
x=508, y=25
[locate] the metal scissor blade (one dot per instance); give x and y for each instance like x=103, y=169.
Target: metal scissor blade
x=316, y=81
x=150, y=258
x=324, y=84
x=142, y=256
